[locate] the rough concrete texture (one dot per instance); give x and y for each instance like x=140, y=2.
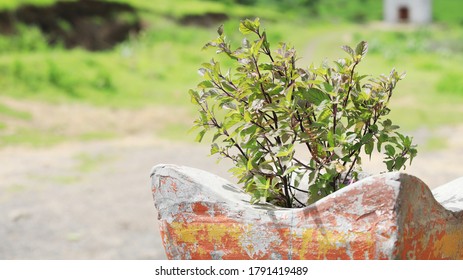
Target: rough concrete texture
x=388, y=216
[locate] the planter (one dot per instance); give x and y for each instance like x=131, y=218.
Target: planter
x=388, y=216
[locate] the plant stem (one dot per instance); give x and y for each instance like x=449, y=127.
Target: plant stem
x=351, y=78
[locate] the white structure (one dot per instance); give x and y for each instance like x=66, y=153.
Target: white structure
x=408, y=11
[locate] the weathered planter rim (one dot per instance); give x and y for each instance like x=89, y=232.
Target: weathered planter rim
x=446, y=195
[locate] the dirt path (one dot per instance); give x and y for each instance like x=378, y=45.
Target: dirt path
x=54, y=207
x=81, y=199
x=92, y=200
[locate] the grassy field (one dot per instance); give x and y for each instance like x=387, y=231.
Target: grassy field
x=158, y=67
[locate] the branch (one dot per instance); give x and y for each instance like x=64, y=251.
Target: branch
x=351, y=78
x=225, y=132
x=303, y=164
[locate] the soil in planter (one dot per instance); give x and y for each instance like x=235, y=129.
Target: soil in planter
x=91, y=24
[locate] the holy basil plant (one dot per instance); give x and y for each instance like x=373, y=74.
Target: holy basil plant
x=279, y=123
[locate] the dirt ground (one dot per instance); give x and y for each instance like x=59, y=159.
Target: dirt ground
x=52, y=209
x=92, y=200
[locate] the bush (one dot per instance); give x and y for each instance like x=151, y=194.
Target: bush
x=268, y=108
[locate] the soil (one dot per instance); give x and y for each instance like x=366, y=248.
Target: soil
x=91, y=24
x=92, y=200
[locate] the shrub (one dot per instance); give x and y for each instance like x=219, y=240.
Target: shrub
x=278, y=122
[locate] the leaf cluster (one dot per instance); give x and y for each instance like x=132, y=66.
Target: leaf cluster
x=278, y=122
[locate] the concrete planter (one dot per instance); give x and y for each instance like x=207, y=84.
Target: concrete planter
x=388, y=216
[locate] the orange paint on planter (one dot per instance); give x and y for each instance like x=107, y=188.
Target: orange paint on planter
x=201, y=239
x=390, y=216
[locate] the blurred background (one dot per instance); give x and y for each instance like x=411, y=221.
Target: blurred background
x=93, y=94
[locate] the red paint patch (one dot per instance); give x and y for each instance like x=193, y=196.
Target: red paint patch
x=199, y=208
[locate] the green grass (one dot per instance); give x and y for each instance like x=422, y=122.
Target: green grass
x=179, y=132
x=89, y=162
x=32, y=138
x=41, y=139
x=9, y=112
x=435, y=144
x=448, y=11
x=16, y=188
x=97, y=135
x=62, y=180
x=153, y=69
x=65, y=180
x=355, y=11
x=160, y=65
x=11, y=4
x=451, y=83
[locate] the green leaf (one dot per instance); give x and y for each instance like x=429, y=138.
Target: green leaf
x=369, y=148
x=367, y=138
x=338, y=151
x=361, y=49
x=256, y=47
x=200, y=135
x=389, y=164
x=390, y=151
x=379, y=144
x=194, y=96
x=324, y=115
x=220, y=30
x=216, y=71
x=315, y=96
x=327, y=87
x=231, y=120
x=358, y=126
x=387, y=123
x=267, y=183
x=266, y=43
x=399, y=163
x=214, y=149
x=363, y=96
x=285, y=151
x=247, y=116
x=202, y=72
x=266, y=168
x=351, y=137
x=289, y=93
x=330, y=138
x=216, y=136
x=290, y=170
x=247, y=26
x=205, y=84
x=348, y=50
x=408, y=141
x=266, y=66
x=260, y=181
x=249, y=165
